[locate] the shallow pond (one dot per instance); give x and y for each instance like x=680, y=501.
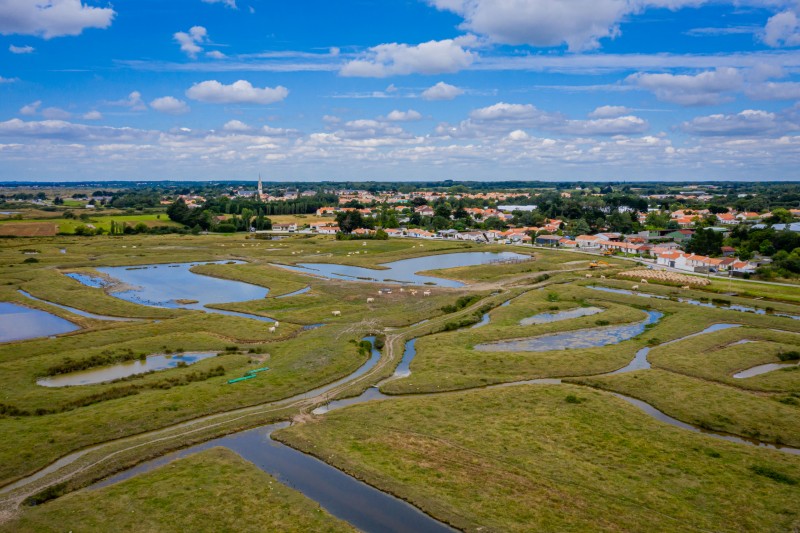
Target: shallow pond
x=18, y=322
x=405, y=271
x=175, y=286
x=546, y=318
x=572, y=340
x=123, y=370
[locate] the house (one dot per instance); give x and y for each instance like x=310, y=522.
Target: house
x=363, y=231
x=680, y=236
x=748, y=216
x=425, y=210
x=727, y=218
x=474, y=236
x=548, y=240
x=609, y=236
x=567, y=243
x=394, y=232
x=329, y=230
x=447, y=233
x=728, y=251
x=587, y=241
x=420, y=234
x=285, y=227
x=316, y=226
x=622, y=247
x=326, y=211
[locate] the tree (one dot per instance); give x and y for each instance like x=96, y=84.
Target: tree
x=705, y=242
x=349, y=221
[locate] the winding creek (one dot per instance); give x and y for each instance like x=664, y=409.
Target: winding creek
x=75, y=311
x=691, y=301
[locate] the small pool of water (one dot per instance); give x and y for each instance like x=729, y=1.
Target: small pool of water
x=405, y=271
x=763, y=369
x=546, y=318
x=123, y=370
x=18, y=323
x=176, y=286
x=572, y=340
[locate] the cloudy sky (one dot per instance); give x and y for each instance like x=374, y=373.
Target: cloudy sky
x=400, y=89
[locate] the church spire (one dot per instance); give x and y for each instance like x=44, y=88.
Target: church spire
x=260, y=188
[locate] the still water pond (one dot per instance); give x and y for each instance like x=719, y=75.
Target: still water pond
x=18, y=323
x=405, y=271
x=175, y=286
x=546, y=318
x=572, y=340
x=123, y=370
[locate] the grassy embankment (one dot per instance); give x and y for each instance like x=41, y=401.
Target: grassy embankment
x=554, y=458
x=215, y=489
x=448, y=361
x=717, y=356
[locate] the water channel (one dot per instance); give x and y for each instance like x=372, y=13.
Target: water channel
x=405, y=270
x=691, y=301
x=78, y=312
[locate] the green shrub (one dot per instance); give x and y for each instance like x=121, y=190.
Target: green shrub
x=773, y=474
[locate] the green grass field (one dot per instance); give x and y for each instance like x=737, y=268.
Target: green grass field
x=526, y=459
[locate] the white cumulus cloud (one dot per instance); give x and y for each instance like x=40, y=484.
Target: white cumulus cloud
x=92, y=115
x=403, y=116
x=442, y=91
x=706, y=88
x=30, y=109
x=133, y=101
x=230, y=3
x=169, y=105
x=782, y=29
x=51, y=18
x=237, y=126
x=239, y=92
x=747, y=122
x=21, y=49
x=609, y=111
x=190, y=42
x=432, y=57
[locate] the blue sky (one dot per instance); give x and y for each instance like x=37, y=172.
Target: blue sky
x=400, y=89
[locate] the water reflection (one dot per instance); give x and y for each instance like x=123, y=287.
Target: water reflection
x=405, y=271
x=18, y=323
x=123, y=370
x=572, y=340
